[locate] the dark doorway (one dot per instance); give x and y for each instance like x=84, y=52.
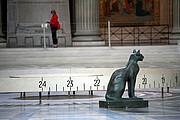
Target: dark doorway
x=4, y=17
x=72, y=15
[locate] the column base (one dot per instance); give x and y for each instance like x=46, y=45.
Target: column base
x=175, y=37
x=86, y=38
x=88, y=41
x=2, y=41
x=89, y=44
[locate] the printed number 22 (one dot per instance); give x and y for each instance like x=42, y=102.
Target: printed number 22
x=97, y=82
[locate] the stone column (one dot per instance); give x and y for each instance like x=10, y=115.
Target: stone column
x=176, y=15
x=176, y=21
x=87, y=31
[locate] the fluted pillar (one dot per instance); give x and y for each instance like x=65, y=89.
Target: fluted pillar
x=176, y=20
x=86, y=22
x=176, y=15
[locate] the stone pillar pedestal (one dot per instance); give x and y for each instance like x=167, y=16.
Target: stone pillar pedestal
x=87, y=32
x=175, y=38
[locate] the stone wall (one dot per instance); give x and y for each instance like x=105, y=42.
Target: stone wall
x=24, y=18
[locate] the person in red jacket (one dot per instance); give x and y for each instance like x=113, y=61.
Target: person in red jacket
x=54, y=24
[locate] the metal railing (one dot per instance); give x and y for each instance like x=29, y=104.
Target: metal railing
x=132, y=35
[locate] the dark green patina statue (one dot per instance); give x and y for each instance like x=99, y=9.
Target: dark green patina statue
x=119, y=78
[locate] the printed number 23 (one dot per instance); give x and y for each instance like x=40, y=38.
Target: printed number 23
x=70, y=83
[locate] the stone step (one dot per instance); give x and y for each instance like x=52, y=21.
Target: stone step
x=85, y=56
x=94, y=50
x=84, y=52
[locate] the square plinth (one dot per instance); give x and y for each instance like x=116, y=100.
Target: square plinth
x=124, y=103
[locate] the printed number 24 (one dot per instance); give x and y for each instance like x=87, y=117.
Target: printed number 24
x=42, y=84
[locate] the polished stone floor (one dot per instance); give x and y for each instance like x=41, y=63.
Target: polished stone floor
x=87, y=107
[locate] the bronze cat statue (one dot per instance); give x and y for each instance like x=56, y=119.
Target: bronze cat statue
x=119, y=78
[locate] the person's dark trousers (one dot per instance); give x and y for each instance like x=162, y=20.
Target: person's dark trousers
x=54, y=35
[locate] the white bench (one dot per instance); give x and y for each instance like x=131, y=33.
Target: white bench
x=147, y=78
x=59, y=82
x=53, y=82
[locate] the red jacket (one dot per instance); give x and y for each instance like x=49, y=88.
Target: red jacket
x=54, y=21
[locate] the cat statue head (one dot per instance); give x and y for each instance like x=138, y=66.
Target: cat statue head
x=136, y=56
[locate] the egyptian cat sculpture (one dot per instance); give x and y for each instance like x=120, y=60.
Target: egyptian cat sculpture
x=119, y=78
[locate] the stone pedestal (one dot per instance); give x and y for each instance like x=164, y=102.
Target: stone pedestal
x=86, y=21
x=24, y=20
x=124, y=103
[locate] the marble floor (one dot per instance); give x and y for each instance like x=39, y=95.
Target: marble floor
x=87, y=107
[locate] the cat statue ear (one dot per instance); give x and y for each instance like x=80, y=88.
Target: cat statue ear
x=138, y=52
x=134, y=51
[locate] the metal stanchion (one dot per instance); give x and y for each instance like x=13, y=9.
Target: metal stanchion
x=40, y=96
x=167, y=89
x=109, y=33
x=162, y=92
x=24, y=95
x=44, y=26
